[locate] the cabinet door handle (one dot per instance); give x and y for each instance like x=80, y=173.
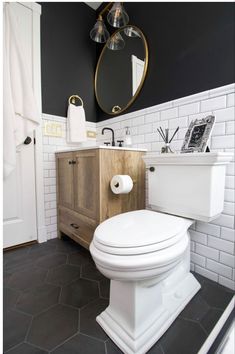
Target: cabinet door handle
x=75, y=226
x=70, y=162
x=73, y=162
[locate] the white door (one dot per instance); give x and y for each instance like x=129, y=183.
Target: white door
x=137, y=73
x=19, y=199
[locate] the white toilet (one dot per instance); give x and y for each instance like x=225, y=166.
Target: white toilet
x=146, y=253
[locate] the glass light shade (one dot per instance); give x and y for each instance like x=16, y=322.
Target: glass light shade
x=117, y=16
x=99, y=32
x=131, y=32
x=116, y=42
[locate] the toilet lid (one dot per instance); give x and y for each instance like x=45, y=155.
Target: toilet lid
x=139, y=228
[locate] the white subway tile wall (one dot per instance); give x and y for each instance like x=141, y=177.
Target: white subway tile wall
x=212, y=244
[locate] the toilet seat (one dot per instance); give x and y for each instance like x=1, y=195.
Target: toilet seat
x=139, y=245
x=139, y=232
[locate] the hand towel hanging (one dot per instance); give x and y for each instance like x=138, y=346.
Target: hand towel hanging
x=76, y=122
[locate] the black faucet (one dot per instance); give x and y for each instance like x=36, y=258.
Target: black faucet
x=113, y=141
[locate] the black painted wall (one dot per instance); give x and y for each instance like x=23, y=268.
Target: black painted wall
x=68, y=56
x=191, y=49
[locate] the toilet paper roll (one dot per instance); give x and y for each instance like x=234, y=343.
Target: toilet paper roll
x=121, y=184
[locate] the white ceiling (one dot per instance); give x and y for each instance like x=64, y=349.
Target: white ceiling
x=94, y=5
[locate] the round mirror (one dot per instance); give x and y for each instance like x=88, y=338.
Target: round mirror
x=121, y=70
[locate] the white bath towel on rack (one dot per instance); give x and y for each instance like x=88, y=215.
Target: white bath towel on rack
x=76, y=124
x=20, y=112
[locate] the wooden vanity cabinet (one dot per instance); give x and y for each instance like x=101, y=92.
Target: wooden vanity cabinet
x=65, y=180
x=84, y=197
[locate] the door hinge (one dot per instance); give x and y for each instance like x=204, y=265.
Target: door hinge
x=34, y=141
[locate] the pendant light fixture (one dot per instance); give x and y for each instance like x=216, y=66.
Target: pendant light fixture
x=116, y=42
x=117, y=16
x=131, y=32
x=99, y=32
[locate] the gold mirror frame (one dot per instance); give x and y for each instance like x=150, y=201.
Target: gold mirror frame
x=143, y=77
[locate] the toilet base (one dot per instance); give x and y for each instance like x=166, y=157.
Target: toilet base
x=139, y=313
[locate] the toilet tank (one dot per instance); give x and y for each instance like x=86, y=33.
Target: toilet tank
x=189, y=185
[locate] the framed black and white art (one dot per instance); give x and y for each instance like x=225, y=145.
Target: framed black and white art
x=198, y=134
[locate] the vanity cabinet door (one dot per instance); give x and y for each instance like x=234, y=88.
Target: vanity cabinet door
x=65, y=178
x=86, y=183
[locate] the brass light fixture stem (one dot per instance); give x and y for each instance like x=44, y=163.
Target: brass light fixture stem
x=106, y=8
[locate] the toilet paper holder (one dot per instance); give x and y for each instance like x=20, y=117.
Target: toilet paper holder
x=121, y=184
x=117, y=184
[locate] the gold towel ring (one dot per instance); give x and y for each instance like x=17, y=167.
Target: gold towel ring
x=72, y=99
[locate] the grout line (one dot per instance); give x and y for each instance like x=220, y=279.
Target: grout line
x=79, y=320
x=161, y=348
x=15, y=346
x=89, y=303
x=70, y=306
x=27, y=333
x=64, y=342
x=36, y=346
x=100, y=340
x=105, y=347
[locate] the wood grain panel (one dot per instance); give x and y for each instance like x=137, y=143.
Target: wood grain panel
x=115, y=162
x=65, y=184
x=86, y=183
x=76, y=225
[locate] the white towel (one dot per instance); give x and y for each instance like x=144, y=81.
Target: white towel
x=76, y=124
x=20, y=112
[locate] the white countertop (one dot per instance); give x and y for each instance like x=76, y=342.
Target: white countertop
x=126, y=148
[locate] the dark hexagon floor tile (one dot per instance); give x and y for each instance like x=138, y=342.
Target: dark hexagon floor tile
x=67, y=246
x=19, y=262
x=15, y=255
x=10, y=297
x=6, y=278
x=216, y=295
x=26, y=348
x=210, y=319
x=52, y=327
x=156, y=349
x=89, y=271
x=52, y=260
x=81, y=344
x=199, y=278
x=183, y=337
x=37, y=299
x=42, y=249
x=112, y=348
x=88, y=324
x=196, y=309
x=54, y=241
x=105, y=288
x=63, y=275
x=79, y=258
x=26, y=279
x=15, y=327
x=79, y=293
